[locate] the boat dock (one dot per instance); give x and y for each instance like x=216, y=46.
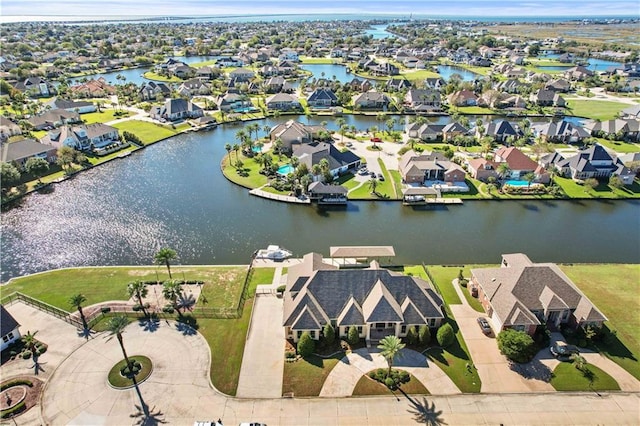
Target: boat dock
x=429, y=201
x=284, y=198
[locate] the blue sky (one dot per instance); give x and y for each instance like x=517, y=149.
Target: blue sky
x=105, y=8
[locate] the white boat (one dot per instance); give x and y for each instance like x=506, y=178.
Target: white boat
x=273, y=252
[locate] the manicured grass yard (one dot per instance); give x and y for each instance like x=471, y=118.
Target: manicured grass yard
x=110, y=283
x=104, y=116
x=619, y=146
x=575, y=190
x=568, y=378
x=412, y=75
x=595, y=109
x=614, y=290
x=444, y=275
x=119, y=381
x=147, y=132
x=306, y=376
x=253, y=179
x=368, y=386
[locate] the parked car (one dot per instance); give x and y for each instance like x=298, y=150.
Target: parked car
x=381, y=177
x=373, y=174
x=349, y=144
x=563, y=351
x=363, y=172
x=376, y=140
x=484, y=325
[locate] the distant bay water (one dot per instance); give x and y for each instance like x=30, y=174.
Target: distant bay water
x=87, y=19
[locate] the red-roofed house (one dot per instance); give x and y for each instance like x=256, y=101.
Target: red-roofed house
x=520, y=164
x=482, y=169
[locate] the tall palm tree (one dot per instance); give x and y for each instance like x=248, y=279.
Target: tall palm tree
x=236, y=148
x=76, y=301
x=172, y=290
x=529, y=177
x=139, y=290
x=116, y=326
x=164, y=256
x=227, y=147
x=390, y=347
x=373, y=185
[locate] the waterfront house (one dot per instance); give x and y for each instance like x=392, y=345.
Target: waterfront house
x=9, y=328
x=152, y=90
x=463, y=98
x=19, y=152
x=483, y=169
x=620, y=129
x=294, y=133
x=229, y=61
x=82, y=138
x=500, y=130
x=519, y=165
x=376, y=301
x=322, y=98
x=176, y=109
x=562, y=131
x=453, y=129
x=420, y=168
x=594, y=162
x=578, y=73
x=283, y=102
x=360, y=85
x=425, y=132
x=371, y=100
x=278, y=84
x=233, y=102
x=522, y=295
x=423, y=100
x=339, y=161
x=54, y=118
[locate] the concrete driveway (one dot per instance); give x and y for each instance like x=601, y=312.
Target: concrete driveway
x=263, y=360
x=345, y=375
x=493, y=368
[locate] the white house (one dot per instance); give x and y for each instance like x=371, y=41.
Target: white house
x=9, y=328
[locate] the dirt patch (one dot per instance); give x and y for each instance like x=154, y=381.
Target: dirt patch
x=33, y=392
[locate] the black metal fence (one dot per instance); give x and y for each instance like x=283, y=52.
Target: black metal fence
x=42, y=306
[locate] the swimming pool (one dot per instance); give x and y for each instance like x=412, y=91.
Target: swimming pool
x=245, y=109
x=285, y=170
x=518, y=183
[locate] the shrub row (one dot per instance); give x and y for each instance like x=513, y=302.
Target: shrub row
x=13, y=411
x=17, y=382
x=393, y=381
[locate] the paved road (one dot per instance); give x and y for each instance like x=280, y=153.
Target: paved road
x=263, y=361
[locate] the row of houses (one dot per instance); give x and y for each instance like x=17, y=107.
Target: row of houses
x=377, y=302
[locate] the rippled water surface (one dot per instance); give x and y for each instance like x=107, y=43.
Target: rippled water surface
x=173, y=194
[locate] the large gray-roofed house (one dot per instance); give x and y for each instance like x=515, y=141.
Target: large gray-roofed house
x=339, y=161
x=9, y=328
x=376, y=301
x=20, y=151
x=522, y=295
x=294, y=133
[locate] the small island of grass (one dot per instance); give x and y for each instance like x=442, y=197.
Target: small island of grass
x=121, y=378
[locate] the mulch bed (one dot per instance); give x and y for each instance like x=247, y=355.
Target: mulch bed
x=33, y=392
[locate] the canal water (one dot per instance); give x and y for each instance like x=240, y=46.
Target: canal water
x=174, y=194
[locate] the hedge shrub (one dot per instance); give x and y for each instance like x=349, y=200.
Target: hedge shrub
x=445, y=335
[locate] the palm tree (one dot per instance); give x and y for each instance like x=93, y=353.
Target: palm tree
x=139, y=290
x=172, y=290
x=76, y=301
x=529, y=177
x=29, y=340
x=228, y=148
x=390, y=123
x=236, y=148
x=373, y=185
x=266, y=129
x=503, y=170
x=164, y=256
x=390, y=347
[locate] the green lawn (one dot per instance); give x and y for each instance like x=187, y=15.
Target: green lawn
x=397, y=182
x=203, y=63
x=619, y=146
x=595, y=109
x=442, y=280
x=147, y=132
x=222, y=286
x=306, y=376
x=412, y=75
x=157, y=77
x=575, y=190
x=368, y=386
x=472, y=110
x=566, y=377
x=614, y=290
x=308, y=60
x=104, y=116
x=454, y=360
x=110, y=283
x=252, y=179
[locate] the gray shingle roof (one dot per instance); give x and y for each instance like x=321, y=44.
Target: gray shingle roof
x=7, y=322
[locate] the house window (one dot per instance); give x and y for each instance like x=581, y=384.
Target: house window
x=333, y=323
x=359, y=329
x=403, y=329
x=313, y=334
x=518, y=327
x=432, y=322
x=299, y=334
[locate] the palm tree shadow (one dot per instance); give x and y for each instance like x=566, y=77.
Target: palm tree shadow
x=187, y=325
x=149, y=324
x=423, y=412
x=85, y=333
x=150, y=418
x=37, y=366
